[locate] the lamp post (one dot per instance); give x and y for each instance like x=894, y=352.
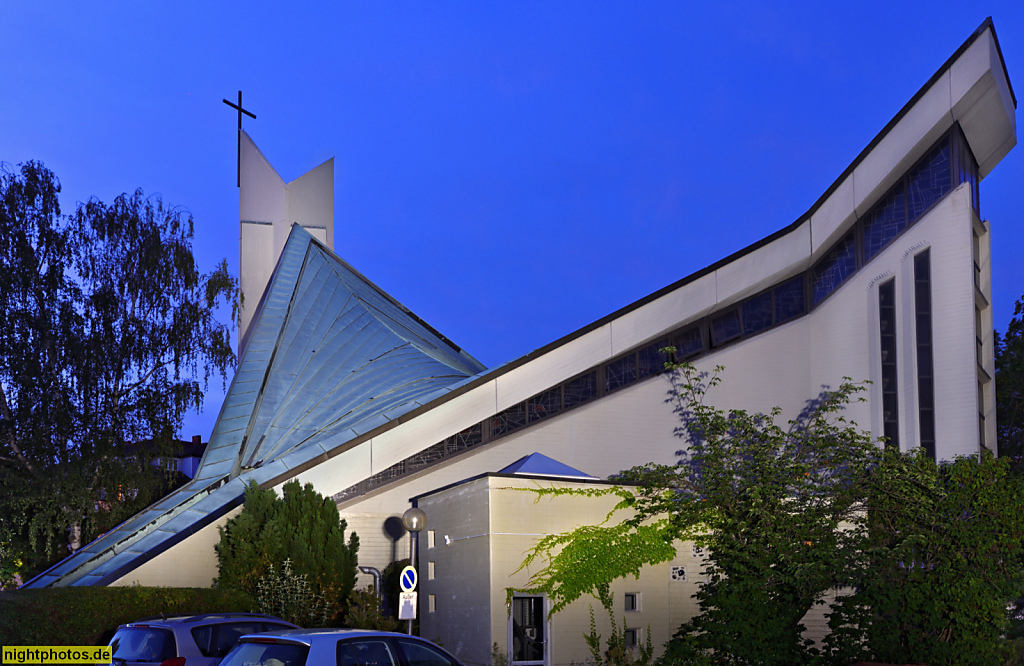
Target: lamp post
x=415, y=521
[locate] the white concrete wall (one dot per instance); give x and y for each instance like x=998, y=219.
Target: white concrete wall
x=492, y=523
x=267, y=209
x=191, y=563
x=464, y=618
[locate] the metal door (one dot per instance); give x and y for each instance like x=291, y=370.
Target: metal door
x=528, y=631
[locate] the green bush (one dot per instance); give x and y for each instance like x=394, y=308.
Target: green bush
x=364, y=612
x=942, y=559
x=90, y=615
x=302, y=527
x=289, y=596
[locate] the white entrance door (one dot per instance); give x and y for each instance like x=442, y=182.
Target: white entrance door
x=528, y=631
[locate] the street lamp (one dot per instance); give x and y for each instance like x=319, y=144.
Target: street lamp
x=415, y=521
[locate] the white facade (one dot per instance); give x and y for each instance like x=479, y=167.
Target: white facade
x=268, y=206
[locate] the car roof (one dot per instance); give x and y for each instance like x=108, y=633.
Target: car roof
x=208, y=618
x=306, y=636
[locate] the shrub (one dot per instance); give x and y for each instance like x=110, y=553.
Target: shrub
x=301, y=527
x=364, y=612
x=289, y=596
x=90, y=615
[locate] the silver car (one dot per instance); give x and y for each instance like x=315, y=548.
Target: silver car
x=187, y=640
x=336, y=647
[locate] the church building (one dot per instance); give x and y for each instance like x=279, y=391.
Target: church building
x=886, y=278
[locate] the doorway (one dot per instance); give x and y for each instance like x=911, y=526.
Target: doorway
x=528, y=631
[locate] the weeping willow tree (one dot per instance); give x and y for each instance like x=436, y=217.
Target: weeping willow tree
x=108, y=336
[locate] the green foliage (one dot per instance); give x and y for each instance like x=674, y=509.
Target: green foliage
x=107, y=338
x=289, y=596
x=943, y=556
x=364, y=612
x=10, y=566
x=586, y=560
x=614, y=651
x=780, y=506
x=301, y=527
x=770, y=505
x=90, y=615
x=929, y=554
x=1009, y=352
x=498, y=657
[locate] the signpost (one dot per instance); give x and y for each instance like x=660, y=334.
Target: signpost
x=415, y=521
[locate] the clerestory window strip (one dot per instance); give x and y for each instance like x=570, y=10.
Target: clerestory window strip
x=947, y=164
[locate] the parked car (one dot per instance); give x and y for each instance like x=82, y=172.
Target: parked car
x=195, y=640
x=336, y=647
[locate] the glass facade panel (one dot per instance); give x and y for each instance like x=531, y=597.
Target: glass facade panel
x=757, y=313
x=725, y=327
x=580, y=390
x=545, y=404
x=650, y=360
x=931, y=179
x=467, y=438
x=621, y=372
x=885, y=222
x=688, y=343
x=512, y=418
x=426, y=457
x=789, y=300
x=832, y=271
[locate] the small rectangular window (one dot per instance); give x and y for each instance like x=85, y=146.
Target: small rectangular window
x=929, y=180
x=581, y=389
x=430, y=570
x=431, y=603
x=688, y=343
x=632, y=601
x=545, y=404
x=757, y=313
x=631, y=638
x=511, y=419
x=789, y=300
x=839, y=264
x=621, y=372
x=650, y=360
x=430, y=538
x=725, y=327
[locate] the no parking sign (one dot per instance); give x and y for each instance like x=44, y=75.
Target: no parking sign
x=408, y=579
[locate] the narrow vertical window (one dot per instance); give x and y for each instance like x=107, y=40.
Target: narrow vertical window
x=925, y=366
x=887, y=329
x=981, y=415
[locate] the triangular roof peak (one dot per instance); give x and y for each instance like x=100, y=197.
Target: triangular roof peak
x=538, y=464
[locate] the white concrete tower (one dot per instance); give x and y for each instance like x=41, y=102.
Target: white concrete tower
x=268, y=206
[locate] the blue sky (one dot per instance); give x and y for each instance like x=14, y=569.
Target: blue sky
x=509, y=171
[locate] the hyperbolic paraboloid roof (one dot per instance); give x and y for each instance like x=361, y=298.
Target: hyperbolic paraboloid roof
x=330, y=357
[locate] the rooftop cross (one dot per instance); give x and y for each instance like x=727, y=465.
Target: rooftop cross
x=240, y=112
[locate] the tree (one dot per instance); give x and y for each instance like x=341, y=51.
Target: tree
x=925, y=555
x=107, y=337
x=942, y=557
x=301, y=527
x=772, y=506
x=1009, y=352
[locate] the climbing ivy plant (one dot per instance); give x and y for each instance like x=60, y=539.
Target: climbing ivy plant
x=776, y=507
x=923, y=555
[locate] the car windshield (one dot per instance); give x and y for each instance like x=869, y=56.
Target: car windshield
x=266, y=654
x=143, y=644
